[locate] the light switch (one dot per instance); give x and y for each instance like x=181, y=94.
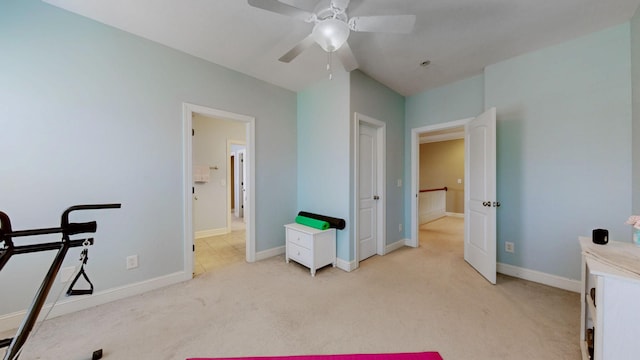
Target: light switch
x=399, y=182
x=459, y=181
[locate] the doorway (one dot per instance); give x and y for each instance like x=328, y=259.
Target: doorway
x=441, y=174
x=189, y=111
x=480, y=202
x=441, y=190
x=369, y=186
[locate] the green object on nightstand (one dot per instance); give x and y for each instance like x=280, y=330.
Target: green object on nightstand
x=316, y=224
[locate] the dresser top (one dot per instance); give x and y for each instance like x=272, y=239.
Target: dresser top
x=615, y=258
x=307, y=229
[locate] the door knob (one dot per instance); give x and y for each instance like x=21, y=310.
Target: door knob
x=486, y=203
x=496, y=204
x=376, y=197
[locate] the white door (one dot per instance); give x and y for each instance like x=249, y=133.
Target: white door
x=242, y=198
x=480, y=194
x=367, y=191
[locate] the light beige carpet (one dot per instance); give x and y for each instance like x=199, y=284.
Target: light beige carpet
x=410, y=300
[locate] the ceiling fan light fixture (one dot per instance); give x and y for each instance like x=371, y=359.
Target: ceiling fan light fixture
x=330, y=34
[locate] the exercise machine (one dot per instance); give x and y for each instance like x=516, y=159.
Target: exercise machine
x=8, y=249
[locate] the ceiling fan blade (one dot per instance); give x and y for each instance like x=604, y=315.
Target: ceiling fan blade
x=298, y=49
x=281, y=8
x=308, y=5
x=399, y=24
x=339, y=4
x=347, y=58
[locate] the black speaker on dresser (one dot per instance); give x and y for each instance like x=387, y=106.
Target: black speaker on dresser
x=600, y=236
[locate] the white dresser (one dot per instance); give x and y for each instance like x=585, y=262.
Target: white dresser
x=310, y=247
x=611, y=316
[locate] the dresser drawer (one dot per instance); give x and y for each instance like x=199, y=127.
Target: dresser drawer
x=300, y=238
x=299, y=254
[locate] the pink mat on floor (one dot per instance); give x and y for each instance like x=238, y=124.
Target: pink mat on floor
x=396, y=356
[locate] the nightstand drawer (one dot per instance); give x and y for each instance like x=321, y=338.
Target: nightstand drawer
x=299, y=254
x=300, y=239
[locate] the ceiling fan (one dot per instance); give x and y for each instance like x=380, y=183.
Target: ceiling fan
x=333, y=26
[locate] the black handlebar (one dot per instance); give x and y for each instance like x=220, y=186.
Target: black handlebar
x=67, y=228
x=65, y=215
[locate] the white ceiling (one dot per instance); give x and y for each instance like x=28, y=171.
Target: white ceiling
x=459, y=37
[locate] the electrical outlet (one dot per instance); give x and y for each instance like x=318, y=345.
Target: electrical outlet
x=509, y=247
x=400, y=227
x=132, y=262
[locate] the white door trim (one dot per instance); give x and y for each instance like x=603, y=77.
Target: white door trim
x=187, y=121
x=382, y=170
x=414, y=241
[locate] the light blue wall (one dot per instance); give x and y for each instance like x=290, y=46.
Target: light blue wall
x=460, y=100
x=563, y=148
x=635, y=71
x=375, y=100
x=91, y=114
x=323, y=154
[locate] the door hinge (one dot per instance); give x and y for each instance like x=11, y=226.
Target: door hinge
x=193, y=132
x=194, y=247
x=193, y=190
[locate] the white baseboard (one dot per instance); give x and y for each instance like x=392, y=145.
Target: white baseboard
x=270, y=253
x=13, y=320
x=349, y=266
x=540, y=277
x=211, y=232
x=345, y=265
x=340, y=264
x=458, y=215
x=425, y=219
x=395, y=246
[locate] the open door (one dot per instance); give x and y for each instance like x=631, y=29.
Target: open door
x=480, y=194
x=242, y=193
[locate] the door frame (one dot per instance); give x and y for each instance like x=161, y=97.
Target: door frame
x=414, y=241
x=381, y=132
x=187, y=122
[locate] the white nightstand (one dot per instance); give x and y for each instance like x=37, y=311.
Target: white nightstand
x=310, y=247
